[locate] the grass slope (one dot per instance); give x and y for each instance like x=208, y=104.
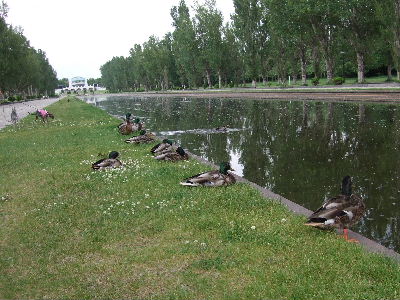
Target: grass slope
x=68, y=232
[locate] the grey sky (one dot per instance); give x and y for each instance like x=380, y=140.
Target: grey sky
x=79, y=36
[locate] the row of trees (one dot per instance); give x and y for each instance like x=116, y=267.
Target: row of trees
x=24, y=71
x=264, y=39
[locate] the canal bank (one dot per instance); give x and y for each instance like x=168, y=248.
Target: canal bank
x=135, y=232
x=328, y=140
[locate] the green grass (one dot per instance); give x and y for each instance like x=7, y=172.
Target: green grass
x=68, y=232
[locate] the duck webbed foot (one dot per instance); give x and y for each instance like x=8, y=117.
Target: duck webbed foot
x=346, y=236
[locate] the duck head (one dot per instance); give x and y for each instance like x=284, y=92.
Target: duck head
x=136, y=121
x=346, y=186
x=167, y=141
x=142, y=132
x=180, y=151
x=224, y=167
x=113, y=154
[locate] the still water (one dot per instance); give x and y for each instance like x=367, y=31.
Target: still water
x=300, y=150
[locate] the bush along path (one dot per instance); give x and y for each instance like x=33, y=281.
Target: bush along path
x=69, y=232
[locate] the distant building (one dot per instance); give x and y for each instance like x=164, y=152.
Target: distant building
x=78, y=85
x=75, y=82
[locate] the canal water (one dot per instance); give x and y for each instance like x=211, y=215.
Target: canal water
x=298, y=149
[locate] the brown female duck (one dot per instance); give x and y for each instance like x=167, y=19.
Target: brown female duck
x=341, y=211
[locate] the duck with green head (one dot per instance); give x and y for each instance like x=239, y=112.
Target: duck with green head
x=164, y=146
x=177, y=155
x=137, y=125
x=110, y=162
x=213, y=178
x=341, y=211
x=143, y=138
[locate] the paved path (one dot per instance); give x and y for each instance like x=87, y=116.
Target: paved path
x=23, y=109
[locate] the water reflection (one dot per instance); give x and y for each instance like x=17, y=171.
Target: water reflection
x=300, y=150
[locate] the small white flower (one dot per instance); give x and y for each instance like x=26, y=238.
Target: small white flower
x=283, y=220
x=253, y=227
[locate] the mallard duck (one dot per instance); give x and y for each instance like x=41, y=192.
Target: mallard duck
x=137, y=125
x=177, y=155
x=143, y=138
x=341, y=211
x=219, y=177
x=110, y=162
x=126, y=127
x=166, y=144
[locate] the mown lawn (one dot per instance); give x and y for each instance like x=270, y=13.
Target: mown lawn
x=68, y=232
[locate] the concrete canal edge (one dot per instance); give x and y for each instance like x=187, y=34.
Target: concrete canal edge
x=368, y=244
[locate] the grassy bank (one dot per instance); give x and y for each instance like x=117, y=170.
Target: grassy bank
x=69, y=232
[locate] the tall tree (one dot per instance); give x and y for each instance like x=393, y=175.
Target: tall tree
x=208, y=30
x=361, y=28
x=246, y=21
x=184, y=45
x=325, y=16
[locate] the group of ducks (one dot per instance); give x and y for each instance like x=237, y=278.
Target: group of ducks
x=341, y=211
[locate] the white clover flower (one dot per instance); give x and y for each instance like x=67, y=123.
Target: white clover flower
x=283, y=220
x=253, y=227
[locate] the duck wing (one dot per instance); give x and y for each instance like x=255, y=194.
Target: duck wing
x=341, y=212
x=154, y=149
x=108, y=163
x=337, y=202
x=161, y=148
x=211, y=178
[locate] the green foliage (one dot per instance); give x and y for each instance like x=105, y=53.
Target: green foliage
x=23, y=68
x=338, y=80
x=264, y=38
x=315, y=81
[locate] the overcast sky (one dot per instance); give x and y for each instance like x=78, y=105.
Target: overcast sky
x=79, y=36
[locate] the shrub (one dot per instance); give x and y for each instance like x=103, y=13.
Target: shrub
x=11, y=98
x=338, y=80
x=231, y=84
x=315, y=81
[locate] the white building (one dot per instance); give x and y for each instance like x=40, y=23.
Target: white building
x=78, y=85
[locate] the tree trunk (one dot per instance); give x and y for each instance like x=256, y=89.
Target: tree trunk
x=329, y=70
x=360, y=68
x=294, y=75
x=303, y=66
x=166, y=80
x=253, y=83
x=398, y=75
x=219, y=79
x=208, y=75
x=316, y=62
x=389, y=72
